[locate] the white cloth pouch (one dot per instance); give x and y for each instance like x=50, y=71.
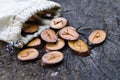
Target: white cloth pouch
x=12, y=20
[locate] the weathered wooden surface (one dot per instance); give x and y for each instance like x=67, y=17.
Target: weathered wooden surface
x=104, y=60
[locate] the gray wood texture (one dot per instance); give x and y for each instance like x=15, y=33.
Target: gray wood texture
x=103, y=63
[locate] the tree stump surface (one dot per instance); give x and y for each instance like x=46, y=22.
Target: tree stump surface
x=103, y=63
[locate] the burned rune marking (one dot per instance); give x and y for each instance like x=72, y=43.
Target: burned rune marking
x=78, y=44
x=55, y=23
x=52, y=56
x=67, y=33
x=48, y=35
x=97, y=35
x=26, y=54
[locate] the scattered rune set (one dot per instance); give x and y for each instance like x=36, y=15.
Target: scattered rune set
x=55, y=39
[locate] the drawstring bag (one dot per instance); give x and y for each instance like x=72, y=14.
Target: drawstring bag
x=12, y=20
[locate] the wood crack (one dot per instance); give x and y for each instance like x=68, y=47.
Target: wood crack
x=100, y=69
x=113, y=42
